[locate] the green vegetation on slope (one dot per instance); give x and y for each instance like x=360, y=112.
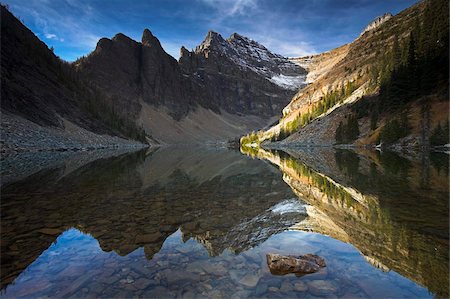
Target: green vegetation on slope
x=440, y=135
x=420, y=64
x=97, y=104
x=347, y=132
x=39, y=86
x=414, y=67
x=325, y=103
x=395, y=129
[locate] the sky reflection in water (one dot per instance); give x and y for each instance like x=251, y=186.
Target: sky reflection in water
x=178, y=223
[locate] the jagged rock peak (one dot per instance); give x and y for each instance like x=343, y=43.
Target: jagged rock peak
x=212, y=35
x=148, y=39
x=121, y=37
x=377, y=22
x=240, y=41
x=103, y=44
x=184, y=51
x=238, y=36
x=212, y=40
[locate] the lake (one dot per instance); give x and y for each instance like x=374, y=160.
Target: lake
x=198, y=222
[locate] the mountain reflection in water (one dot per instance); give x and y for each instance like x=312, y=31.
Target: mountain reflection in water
x=393, y=209
x=177, y=222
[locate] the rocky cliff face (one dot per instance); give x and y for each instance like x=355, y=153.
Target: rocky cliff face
x=222, y=89
x=44, y=104
x=240, y=75
x=377, y=22
x=355, y=80
x=137, y=71
x=236, y=75
x=318, y=65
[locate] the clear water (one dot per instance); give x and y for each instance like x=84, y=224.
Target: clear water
x=183, y=222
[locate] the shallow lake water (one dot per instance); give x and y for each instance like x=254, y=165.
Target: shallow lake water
x=180, y=222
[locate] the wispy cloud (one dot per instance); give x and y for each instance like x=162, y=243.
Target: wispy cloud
x=53, y=36
x=230, y=8
x=50, y=36
x=69, y=21
x=286, y=27
x=289, y=48
x=266, y=26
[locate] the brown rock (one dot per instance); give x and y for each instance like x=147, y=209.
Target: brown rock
x=281, y=265
x=315, y=259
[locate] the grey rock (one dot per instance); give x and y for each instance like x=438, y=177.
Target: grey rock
x=321, y=287
x=249, y=280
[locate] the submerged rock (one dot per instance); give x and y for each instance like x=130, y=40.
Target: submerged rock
x=249, y=280
x=285, y=264
x=321, y=287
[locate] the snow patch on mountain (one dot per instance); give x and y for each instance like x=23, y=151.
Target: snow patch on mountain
x=289, y=82
x=289, y=206
x=250, y=55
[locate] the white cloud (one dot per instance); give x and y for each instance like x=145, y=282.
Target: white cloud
x=80, y=25
x=67, y=20
x=290, y=48
x=50, y=36
x=53, y=37
x=268, y=27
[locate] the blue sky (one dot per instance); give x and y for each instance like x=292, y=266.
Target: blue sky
x=287, y=27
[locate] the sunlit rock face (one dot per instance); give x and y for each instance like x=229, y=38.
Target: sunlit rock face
x=354, y=198
x=377, y=22
x=221, y=198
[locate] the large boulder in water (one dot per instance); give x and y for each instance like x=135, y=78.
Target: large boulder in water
x=285, y=264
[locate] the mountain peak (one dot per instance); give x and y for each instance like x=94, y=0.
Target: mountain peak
x=213, y=34
x=238, y=40
x=184, y=52
x=377, y=22
x=121, y=37
x=237, y=36
x=212, y=37
x=212, y=40
x=103, y=44
x=148, y=39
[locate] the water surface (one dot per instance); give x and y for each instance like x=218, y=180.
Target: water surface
x=180, y=222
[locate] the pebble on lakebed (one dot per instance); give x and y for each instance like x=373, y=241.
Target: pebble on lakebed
x=303, y=264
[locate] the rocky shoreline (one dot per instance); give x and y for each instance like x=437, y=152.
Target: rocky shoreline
x=395, y=147
x=20, y=135
x=15, y=167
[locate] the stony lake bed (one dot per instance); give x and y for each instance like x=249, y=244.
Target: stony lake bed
x=199, y=222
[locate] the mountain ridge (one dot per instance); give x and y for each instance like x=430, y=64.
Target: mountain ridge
x=46, y=106
x=219, y=76
x=397, y=69
x=117, y=90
